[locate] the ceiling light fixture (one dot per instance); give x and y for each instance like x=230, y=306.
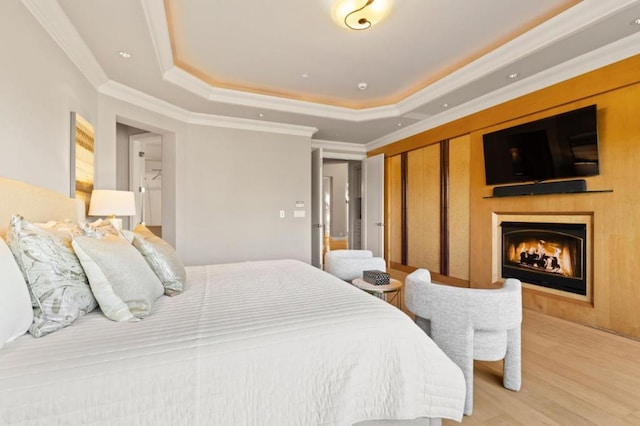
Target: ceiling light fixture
x=635, y=22
x=124, y=54
x=359, y=14
x=513, y=75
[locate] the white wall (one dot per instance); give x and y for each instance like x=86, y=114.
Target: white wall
x=39, y=88
x=237, y=182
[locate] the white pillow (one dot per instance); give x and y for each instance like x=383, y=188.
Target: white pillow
x=121, y=281
x=162, y=259
x=16, y=313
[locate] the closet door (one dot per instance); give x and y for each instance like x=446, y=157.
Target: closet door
x=394, y=209
x=423, y=208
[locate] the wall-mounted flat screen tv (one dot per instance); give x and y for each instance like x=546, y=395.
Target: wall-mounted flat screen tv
x=557, y=147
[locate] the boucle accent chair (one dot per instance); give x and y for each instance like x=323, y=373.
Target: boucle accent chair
x=470, y=324
x=349, y=264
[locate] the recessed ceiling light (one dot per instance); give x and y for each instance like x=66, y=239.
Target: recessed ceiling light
x=399, y=124
x=513, y=75
x=305, y=75
x=445, y=105
x=635, y=22
x=363, y=86
x=124, y=54
x=261, y=115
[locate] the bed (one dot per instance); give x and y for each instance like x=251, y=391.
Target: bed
x=252, y=343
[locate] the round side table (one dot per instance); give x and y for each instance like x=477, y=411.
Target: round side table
x=381, y=291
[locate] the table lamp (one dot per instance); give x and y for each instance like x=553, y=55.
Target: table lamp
x=111, y=203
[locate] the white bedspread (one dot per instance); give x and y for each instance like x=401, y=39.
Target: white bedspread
x=257, y=343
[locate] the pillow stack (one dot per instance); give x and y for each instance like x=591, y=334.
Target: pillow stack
x=62, y=272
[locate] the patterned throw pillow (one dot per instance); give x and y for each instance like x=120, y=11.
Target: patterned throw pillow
x=162, y=259
x=60, y=293
x=99, y=229
x=123, y=283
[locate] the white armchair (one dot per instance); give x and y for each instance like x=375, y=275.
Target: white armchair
x=470, y=324
x=349, y=264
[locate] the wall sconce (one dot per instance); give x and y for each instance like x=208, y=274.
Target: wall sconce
x=360, y=14
x=106, y=202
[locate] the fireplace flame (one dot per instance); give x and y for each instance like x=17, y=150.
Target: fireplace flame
x=543, y=256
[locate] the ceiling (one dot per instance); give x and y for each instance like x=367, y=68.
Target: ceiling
x=287, y=63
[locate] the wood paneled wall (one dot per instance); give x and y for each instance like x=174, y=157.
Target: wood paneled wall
x=616, y=216
x=423, y=208
x=459, y=214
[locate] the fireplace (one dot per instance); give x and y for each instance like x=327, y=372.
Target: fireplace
x=551, y=255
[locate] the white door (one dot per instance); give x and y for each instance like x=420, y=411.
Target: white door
x=373, y=204
x=316, y=208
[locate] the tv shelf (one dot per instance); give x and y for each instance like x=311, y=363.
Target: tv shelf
x=597, y=191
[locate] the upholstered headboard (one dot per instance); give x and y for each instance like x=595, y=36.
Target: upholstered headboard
x=35, y=204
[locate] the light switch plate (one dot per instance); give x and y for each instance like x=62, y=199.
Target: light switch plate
x=299, y=213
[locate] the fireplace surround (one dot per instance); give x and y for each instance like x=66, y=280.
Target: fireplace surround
x=548, y=252
x=551, y=255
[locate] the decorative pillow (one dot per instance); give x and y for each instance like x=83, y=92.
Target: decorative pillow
x=66, y=228
x=16, y=313
x=121, y=280
x=59, y=290
x=162, y=259
x=99, y=228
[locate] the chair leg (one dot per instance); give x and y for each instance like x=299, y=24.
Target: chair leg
x=457, y=344
x=512, y=375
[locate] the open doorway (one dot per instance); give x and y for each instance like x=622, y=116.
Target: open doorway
x=341, y=198
x=139, y=169
x=145, y=181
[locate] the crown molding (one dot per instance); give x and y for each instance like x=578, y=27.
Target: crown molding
x=606, y=55
x=135, y=97
x=340, y=150
x=565, y=24
x=52, y=18
x=248, y=124
x=339, y=146
x=156, y=18
x=560, y=26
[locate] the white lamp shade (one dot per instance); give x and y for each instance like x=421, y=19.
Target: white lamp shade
x=107, y=202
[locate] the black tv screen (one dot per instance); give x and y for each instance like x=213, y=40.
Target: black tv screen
x=557, y=147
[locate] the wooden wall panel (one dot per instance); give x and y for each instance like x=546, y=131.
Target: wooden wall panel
x=394, y=209
x=616, y=216
x=423, y=208
x=459, y=184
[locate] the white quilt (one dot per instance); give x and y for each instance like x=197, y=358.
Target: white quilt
x=256, y=343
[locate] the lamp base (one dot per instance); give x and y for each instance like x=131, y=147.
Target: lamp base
x=116, y=222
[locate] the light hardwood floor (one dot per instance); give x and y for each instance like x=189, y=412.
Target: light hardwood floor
x=571, y=375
